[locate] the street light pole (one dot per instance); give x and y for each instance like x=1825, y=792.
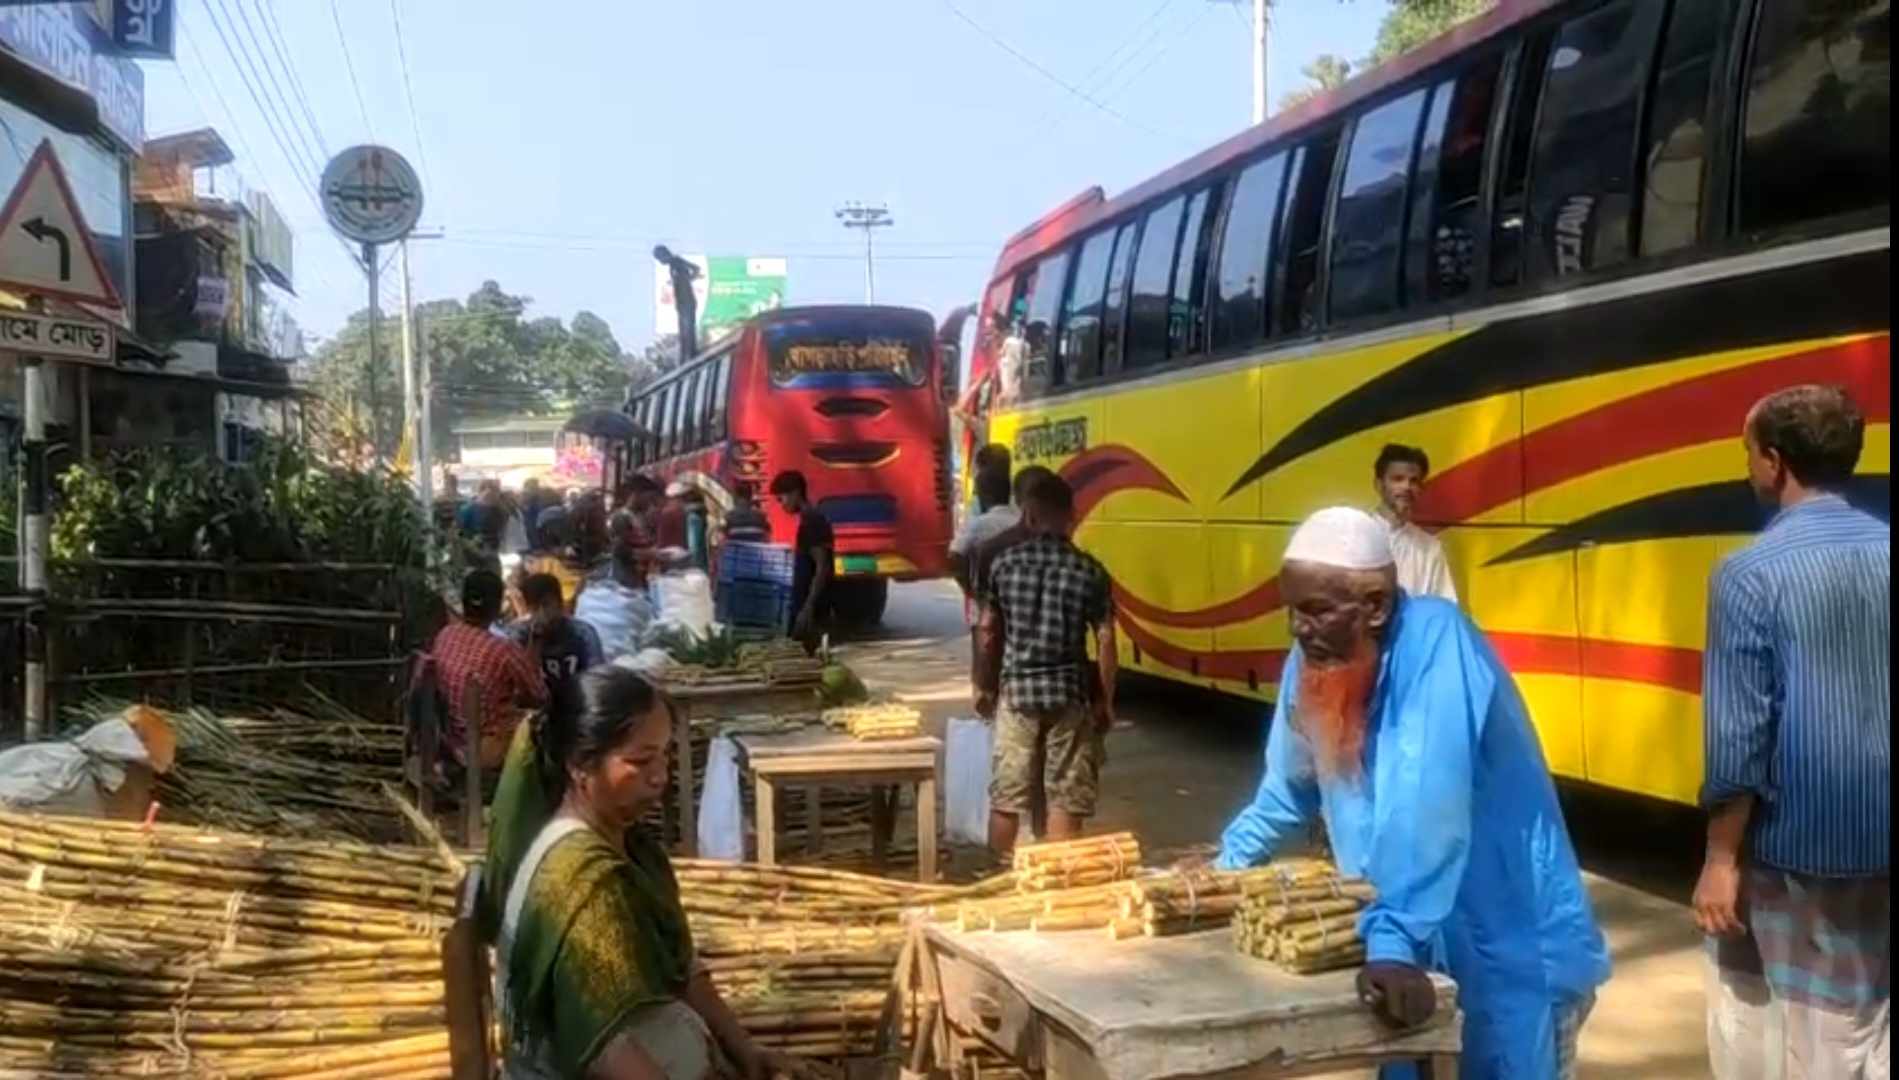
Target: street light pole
x=416, y=387
x=856, y=215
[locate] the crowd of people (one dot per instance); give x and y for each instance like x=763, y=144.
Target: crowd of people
x=1397, y=727
x=1400, y=729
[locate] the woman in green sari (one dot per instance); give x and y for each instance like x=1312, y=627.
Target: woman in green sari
x=597, y=978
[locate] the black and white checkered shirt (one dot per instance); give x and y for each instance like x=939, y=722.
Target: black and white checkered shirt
x=1050, y=593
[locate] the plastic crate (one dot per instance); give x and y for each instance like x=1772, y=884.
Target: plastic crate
x=754, y=604
x=740, y=561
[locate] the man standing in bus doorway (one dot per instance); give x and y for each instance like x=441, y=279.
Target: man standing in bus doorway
x=1012, y=357
x=1399, y=475
x=1052, y=705
x=1397, y=724
x=1796, y=890
x=811, y=565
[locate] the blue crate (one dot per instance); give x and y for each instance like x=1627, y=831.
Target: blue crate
x=741, y=561
x=753, y=603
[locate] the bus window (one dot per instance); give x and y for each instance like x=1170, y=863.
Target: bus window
x=721, y=395
x=1114, y=305
x=1153, y=279
x=1513, y=180
x=1582, y=178
x=1677, y=140
x=636, y=449
x=1186, y=314
x=1044, y=305
x=1368, y=222
x=696, y=408
x=1305, y=224
x=1246, y=244
x=1079, y=357
x=1447, y=192
x=1817, y=131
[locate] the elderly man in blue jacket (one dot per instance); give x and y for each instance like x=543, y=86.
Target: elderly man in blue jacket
x=1400, y=727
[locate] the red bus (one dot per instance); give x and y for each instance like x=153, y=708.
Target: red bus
x=852, y=397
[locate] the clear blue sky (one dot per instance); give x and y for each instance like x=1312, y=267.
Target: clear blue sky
x=561, y=139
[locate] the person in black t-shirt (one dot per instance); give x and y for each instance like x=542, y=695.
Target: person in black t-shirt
x=567, y=645
x=811, y=573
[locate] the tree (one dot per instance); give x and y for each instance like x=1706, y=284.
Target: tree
x=1326, y=72
x=1411, y=23
x=662, y=355
x=487, y=358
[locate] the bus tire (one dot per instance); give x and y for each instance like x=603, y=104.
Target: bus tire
x=860, y=601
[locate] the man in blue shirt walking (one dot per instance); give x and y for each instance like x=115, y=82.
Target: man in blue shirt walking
x=1796, y=892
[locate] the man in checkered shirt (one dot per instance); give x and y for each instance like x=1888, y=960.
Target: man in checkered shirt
x=1052, y=704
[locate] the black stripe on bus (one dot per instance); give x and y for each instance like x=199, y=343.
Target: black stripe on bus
x=1833, y=297
x=1728, y=508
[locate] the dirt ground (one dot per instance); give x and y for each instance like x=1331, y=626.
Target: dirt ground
x=1181, y=763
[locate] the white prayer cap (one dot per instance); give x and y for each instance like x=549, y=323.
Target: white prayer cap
x=1344, y=537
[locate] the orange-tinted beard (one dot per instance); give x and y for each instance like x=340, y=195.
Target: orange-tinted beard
x=1333, y=701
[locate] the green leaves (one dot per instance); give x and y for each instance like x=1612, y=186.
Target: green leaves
x=283, y=506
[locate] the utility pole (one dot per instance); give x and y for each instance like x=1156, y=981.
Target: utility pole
x=856, y=215
x=1260, y=18
x=416, y=386
x=375, y=363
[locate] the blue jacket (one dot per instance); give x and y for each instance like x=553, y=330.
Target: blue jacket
x=1455, y=823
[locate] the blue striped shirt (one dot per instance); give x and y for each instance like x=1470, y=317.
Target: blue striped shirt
x=1797, y=692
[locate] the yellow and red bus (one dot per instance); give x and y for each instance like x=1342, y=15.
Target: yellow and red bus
x=1562, y=248
x=852, y=397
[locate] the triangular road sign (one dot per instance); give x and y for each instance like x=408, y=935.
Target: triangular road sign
x=45, y=248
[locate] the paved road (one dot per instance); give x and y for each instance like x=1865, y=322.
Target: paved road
x=1181, y=762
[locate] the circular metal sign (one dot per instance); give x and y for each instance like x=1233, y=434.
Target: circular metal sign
x=371, y=195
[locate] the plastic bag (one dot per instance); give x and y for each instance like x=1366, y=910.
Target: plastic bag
x=618, y=614
x=966, y=754
x=684, y=599
x=721, y=820
x=71, y=777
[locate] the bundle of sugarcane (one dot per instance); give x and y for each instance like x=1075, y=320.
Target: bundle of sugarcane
x=886, y=721
x=781, y=896
x=1189, y=901
x=1087, y=907
x=165, y=951
x=279, y=773
x=792, y=671
x=1063, y=864
x=1304, y=924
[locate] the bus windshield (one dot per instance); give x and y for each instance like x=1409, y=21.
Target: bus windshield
x=867, y=348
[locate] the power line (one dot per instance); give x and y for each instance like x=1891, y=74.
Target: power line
x=240, y=61
x=1180, y=32
x=1049, y=75
x=342, y=40
x=408, y=90
x=231, y=115
x=267, y=13
x=263, y=61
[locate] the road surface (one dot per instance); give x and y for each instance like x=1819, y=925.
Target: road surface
x=1180, y=763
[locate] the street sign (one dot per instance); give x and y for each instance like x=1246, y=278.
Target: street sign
x=52, y=335
x=371, y=195
x=144, y=28
x=45, y=247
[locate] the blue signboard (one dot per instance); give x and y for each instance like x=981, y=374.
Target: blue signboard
x=143, y=28
x=64, y=41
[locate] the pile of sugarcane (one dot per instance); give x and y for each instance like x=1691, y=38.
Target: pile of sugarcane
x=308, y=774
x=1304, y=922
x=887, y=721
x=166, y=951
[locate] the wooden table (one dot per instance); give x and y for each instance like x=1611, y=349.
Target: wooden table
x=1081, y=1008
x=817, y=758
x=723, y=699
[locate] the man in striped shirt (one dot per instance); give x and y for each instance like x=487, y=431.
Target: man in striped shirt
x=1796, y=892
